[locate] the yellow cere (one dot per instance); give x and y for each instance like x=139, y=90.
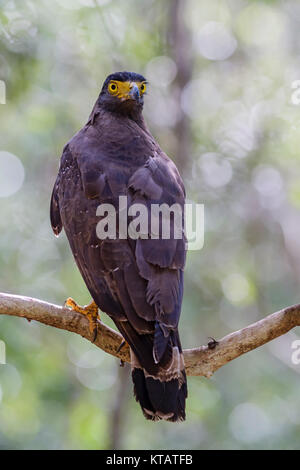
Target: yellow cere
x=122, y=89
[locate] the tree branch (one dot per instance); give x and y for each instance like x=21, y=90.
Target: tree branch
x=202, y=361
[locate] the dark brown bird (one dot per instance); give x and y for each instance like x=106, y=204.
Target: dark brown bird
x=137, y=281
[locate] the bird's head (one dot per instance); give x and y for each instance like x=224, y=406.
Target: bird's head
x=123, y=92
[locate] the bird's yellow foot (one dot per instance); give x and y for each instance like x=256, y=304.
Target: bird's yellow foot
x=90, y=311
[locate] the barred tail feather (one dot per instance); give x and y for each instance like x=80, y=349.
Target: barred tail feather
x=159, y=378
x=161, y=396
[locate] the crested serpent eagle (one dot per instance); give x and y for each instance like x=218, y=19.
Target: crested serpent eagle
x=137, y=281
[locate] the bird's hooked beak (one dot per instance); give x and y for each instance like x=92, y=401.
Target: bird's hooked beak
x=134, y=92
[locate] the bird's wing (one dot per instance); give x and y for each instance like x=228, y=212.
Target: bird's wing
x=160, y=260
x=55, y=218
x=139, y=283
x=75, y=198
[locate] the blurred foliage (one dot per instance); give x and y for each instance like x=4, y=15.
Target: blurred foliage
x=59, y=391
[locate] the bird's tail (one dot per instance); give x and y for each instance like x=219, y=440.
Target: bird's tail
x=161, y=396
x=159, y=387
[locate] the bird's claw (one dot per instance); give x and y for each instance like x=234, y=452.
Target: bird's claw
x=90, y=311
x=121, y=345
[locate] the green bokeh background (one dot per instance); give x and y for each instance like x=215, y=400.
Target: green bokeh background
x=221, y=103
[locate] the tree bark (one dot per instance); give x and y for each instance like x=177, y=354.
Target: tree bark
x=201, y=361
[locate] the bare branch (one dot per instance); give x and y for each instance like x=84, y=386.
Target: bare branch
x=202, y=361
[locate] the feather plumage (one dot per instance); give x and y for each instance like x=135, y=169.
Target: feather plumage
x=138, y=283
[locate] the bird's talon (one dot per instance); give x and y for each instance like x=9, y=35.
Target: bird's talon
x=95, y=334
x=121, y=346
x=90, y=311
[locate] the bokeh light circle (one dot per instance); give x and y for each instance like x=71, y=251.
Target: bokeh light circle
x=12, y=174
x=215, y=42
x=161, y=71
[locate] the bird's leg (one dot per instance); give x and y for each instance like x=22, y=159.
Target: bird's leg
x=90, y=311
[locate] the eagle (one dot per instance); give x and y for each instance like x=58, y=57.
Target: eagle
x=137, y=280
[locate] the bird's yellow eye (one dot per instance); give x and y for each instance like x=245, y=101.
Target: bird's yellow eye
x=143, y=87
x=113, y=88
